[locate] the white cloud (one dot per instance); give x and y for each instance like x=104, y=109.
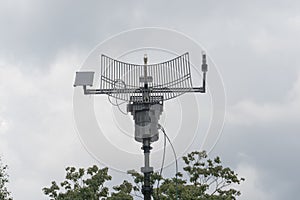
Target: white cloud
x=4, y=125
x=294, y=22
x=37, y=119
x=251, y=188
x=249, y=112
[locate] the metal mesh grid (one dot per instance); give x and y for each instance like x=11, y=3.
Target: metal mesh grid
x=166, y=77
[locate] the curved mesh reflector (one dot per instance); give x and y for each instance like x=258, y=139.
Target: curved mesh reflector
x=163, y=78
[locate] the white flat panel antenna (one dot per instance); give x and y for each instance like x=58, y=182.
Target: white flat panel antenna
x=84, y=79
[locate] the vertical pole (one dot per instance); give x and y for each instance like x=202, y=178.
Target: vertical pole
x=147, y=170
x=204, y=81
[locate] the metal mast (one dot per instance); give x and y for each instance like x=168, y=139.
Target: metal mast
x=145, y=88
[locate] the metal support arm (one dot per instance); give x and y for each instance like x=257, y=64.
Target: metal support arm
x=140, y=90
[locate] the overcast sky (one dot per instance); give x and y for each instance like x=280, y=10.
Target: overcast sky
x=255, y=45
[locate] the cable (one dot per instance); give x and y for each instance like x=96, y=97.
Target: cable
x=116, y=98
x=162, y=163
x=175, y=156
x=117, y=104
x=112, y=103
x=164, y=155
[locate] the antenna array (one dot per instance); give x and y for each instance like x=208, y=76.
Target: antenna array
x=145, y=88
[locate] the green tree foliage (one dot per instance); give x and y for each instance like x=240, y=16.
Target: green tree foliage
x=202, y=179
x=4, y=193
x=80, y=184
x=122, y=192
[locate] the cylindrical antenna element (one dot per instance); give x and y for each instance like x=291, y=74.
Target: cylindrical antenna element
x=204, y=64
x=145, y=59
x=145, y=72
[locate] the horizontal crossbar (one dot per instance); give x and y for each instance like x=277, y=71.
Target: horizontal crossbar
x=142, y=90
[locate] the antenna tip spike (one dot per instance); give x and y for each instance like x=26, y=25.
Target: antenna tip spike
x=145, y=58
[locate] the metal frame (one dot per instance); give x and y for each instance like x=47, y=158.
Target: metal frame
x=143, y=98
